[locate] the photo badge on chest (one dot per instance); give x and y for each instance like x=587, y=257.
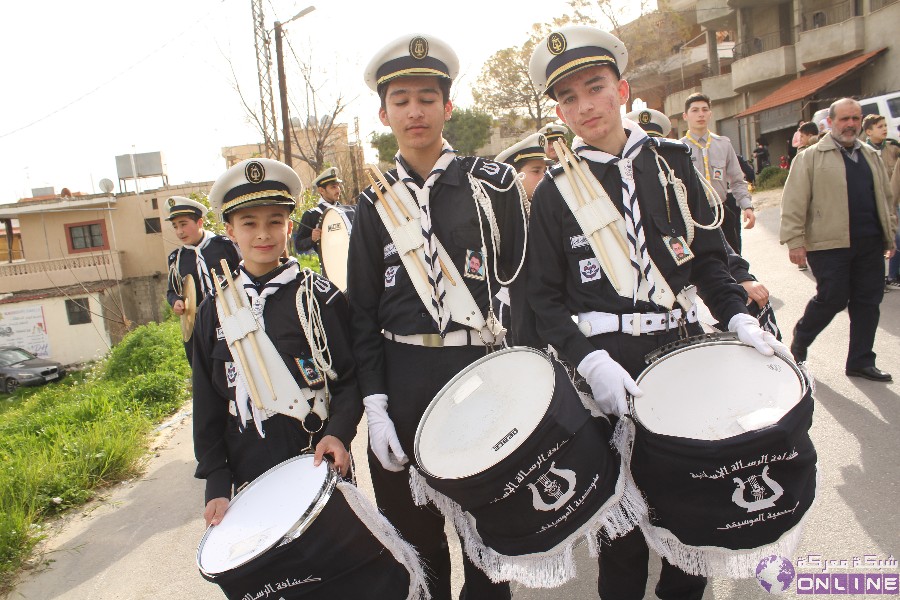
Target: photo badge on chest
x=678, y=248
x=474, y=264
x=310, y=373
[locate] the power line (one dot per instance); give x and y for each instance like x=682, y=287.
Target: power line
x=112, y=79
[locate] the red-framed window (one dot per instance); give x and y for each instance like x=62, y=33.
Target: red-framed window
x=88, y=236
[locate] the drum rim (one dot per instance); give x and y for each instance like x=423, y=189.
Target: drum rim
x=296, y=530
x=632, y=414
x=432, y=404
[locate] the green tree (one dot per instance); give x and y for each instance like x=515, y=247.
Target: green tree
x=386, y=145
x=468, y=129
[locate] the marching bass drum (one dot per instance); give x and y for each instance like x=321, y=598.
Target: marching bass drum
x=719, y=444
x=296, y=532
x=334, y=245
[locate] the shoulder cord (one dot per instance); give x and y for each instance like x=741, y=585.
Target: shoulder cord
x=481, y=198
x=175, y=274
x=312, y=325
x=681, y=196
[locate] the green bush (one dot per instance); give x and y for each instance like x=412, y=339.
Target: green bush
x=152, y=347
x=771, y=178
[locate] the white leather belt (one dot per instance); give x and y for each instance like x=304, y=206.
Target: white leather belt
x=595, y=323
x=462, y=337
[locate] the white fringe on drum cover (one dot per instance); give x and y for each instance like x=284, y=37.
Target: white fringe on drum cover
x=554, y=567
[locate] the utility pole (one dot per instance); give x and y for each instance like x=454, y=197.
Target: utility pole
x=282, y=91
x=263, y=63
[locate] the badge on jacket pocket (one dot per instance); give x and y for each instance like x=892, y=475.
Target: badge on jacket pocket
x=231, y=374
x=310, y=373
x=718, y=173
x=474, y=264
x=590, y=270
x=390, y=276
x=678, y=248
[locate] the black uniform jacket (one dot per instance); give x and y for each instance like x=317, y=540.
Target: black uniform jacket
x=556, y=289
x=229, y=454
x=218, y=248
x=383, y=295
x=309, y=221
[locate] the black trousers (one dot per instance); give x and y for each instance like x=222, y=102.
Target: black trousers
x=851, y=278
x=623, y=561
x=731, y=225
x=189, y=350
x=415, y=375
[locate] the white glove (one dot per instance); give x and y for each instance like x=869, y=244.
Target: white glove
x=608, y=381
x=382, y=434
x=748, y=331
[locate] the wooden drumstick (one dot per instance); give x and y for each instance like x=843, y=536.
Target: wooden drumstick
x=581, y=202
x=402, y=206
x=226, y=309
x=570, y=156
x=241, y=298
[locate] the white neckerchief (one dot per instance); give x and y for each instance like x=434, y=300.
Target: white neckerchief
x=640, y=258
x=247, y=409
x=435, y=276
x=202, y=269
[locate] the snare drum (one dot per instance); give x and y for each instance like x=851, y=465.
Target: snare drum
x=720, y=447
x=508, y=451
x=295, y=532
x=336, y=225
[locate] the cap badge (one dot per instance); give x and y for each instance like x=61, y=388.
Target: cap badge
x=644, y=117
x=418, y=48
x=542, y=141
x=556, y=43
x=171, y=202
x=255, y=172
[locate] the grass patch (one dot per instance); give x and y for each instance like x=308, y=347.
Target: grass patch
x=771, y=178
x=61, y=442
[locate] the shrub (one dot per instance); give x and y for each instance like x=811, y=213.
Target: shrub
x=771, y=177
x=152, y=347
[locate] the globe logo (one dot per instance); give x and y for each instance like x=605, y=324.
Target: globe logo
x=775, y=574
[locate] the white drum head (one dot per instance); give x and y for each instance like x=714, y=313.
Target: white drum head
x=483, y=414
x=715, y=391
x=335, y=246
x=262, y=514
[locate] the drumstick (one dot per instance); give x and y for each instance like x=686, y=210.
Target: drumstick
x=402, y=206
x=240, y=297
x=226, y=309
x=577, y=168
x=581, y=202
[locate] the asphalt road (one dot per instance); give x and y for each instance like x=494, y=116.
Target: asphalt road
x=138, y=541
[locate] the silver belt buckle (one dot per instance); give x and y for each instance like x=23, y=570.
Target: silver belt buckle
x=432, y=340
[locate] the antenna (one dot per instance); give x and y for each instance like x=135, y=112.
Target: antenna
x=106, y=185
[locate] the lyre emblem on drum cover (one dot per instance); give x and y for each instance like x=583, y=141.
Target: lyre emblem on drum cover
x=758, y=492
x=551, y=487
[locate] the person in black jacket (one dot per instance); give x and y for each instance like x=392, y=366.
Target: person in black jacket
x=201, y=250
x=234, y=441
x=309, y=233
x=580, y=67
x=406, y=346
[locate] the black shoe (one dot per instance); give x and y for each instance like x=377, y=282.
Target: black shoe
x=798, y=351
x=873, y=373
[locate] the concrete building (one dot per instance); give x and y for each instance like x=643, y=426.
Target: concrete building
x=773, y=63
x=90, y=267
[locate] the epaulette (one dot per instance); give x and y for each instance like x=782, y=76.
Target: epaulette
x=173, y=255
x=370, y=195
x=500, y=175
x=325, y=290
x=554, y=171
x=663, y=143
x=221, y=239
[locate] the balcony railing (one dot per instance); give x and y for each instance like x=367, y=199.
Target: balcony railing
x=876, y=4
x=835, y=13
x=762, y=43
x=103, y=262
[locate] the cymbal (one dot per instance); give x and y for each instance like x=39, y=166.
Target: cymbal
x=190, y=307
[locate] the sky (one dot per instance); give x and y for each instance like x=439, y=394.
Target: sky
x=85, y=81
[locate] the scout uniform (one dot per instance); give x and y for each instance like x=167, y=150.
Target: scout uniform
x=405, y=349
x=311, y=218
x=235, y=441
x=553, y=132
x=195, y=260
x=619, y=325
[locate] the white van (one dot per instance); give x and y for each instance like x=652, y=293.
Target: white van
x=887, y=105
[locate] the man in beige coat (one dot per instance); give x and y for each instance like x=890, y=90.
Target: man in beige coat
x=837, y=214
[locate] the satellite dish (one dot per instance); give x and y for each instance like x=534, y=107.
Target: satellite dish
x=106, y=185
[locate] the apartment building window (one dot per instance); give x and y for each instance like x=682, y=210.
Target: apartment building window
x=78, y=311
x=86, y=237
x=154, y=204
x=152, y=225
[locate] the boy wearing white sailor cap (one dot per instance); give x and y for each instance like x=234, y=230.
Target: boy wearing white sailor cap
x=529, y=159
x=200, y=250
x=628, y=269
x=409, y=339
x=553, y=132
x=328, y=184
x=652, y=121
x=236, y=440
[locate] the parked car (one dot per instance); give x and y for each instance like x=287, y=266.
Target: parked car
x=6, y=331
x=19, y=367
x=887, y=105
